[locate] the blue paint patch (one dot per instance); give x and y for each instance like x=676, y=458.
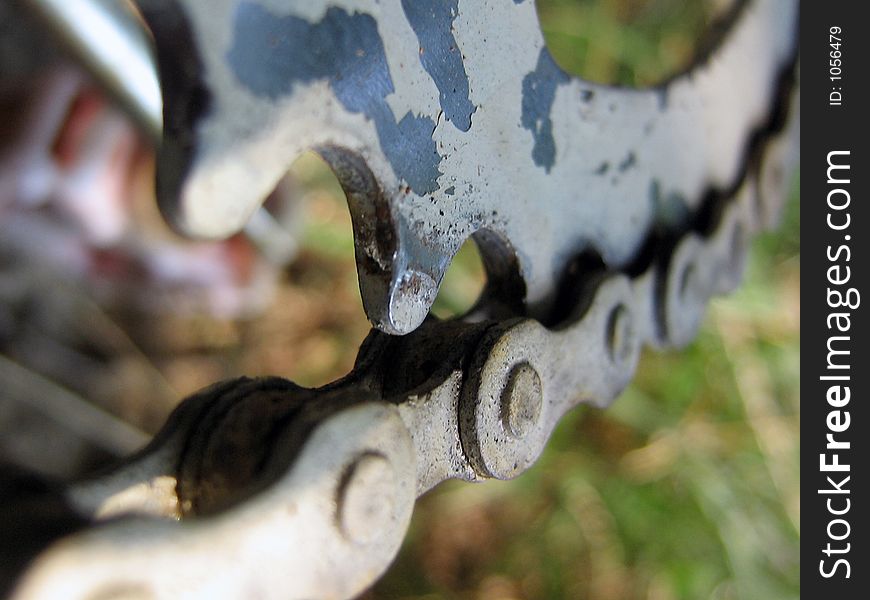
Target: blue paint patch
x=270, y=54
x=539, y=93
x=432, y=21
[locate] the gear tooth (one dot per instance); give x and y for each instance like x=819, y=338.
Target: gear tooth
x=410, y=300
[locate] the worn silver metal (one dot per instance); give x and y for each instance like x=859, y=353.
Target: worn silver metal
x=284, y=542
x=521, y=400
x=607, y=219
x=443, y=119
x=113, y=44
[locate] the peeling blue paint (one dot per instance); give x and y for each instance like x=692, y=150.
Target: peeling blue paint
x=270, y=54
x=539, y=93
x=432, y=21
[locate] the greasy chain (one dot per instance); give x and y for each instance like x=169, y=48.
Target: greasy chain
x=261, y=488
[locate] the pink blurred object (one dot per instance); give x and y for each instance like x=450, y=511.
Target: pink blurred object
x=76, y=197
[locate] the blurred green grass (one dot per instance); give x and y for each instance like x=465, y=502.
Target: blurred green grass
x=624, y=42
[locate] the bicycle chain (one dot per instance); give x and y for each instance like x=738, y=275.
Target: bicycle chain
x=260, y=488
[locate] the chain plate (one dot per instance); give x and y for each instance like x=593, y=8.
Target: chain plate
x=262, y=488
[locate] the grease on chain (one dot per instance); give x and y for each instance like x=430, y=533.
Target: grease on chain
x=328, y=464
x=294, y=515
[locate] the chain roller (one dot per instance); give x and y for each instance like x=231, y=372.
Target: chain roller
x=260, y=488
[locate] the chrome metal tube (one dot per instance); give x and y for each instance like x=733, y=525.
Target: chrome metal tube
x=114, y=46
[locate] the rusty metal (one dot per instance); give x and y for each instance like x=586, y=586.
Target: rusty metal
x=607, y=219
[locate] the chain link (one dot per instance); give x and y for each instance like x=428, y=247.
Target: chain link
x=284, y=492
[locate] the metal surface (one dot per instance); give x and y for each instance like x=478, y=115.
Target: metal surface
x=548, y=165
x=107, y=37
x=294, y=539
x=607, y=219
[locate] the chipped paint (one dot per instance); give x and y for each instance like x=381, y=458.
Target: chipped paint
x=432, y=22
x=539, y=93
x=270, y=55
x=535, y=150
